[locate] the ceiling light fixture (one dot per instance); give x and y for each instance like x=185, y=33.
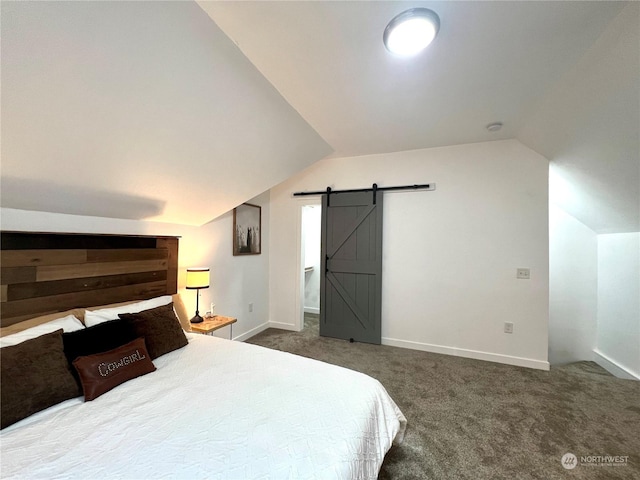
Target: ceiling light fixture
x=411, y=31
x=494, y=127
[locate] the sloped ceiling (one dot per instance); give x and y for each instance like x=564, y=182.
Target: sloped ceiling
x=561, y=76
x=589, y=125
x=148, y=110
x=138, y=110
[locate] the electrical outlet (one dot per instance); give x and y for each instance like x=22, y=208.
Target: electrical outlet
x=508, y=327
x=250, y=307
x=523, y=273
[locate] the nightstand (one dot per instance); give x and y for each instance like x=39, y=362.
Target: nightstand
x=211, y=324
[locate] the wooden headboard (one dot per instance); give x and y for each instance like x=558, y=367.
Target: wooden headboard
x=45, y=273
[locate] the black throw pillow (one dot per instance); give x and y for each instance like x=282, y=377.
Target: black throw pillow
x=98, y=339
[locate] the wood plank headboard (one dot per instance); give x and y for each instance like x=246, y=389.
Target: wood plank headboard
x=45, y=273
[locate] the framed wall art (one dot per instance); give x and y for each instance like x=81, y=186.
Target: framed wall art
x=247, y=229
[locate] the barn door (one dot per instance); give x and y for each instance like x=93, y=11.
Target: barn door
x=351, y=277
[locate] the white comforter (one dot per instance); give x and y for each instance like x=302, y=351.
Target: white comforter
x=215, y=409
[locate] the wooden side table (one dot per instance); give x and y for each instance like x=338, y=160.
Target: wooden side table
x=211, y=324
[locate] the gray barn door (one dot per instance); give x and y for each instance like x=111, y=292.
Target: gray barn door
x=351, y=280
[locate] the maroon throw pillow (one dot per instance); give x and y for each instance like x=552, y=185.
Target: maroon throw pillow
x=102, y=372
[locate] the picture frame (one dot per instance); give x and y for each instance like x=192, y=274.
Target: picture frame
x=247, y=229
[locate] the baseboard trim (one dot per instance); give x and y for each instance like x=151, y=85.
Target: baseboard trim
x=425, y=347
x=312, y=310
x=612, y=366
x=283, y=326
x=462, y=352
x=252, y=332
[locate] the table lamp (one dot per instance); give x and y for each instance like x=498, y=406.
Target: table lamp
x=197, y=278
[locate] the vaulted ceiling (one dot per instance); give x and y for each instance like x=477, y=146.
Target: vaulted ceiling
x=178, y=111
x=563, y=77
x=138, y=110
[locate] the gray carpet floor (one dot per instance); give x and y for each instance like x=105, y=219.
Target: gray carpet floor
x=469, y=419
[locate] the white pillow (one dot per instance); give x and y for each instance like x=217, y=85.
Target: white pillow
x=68, y=324
x=95, y=317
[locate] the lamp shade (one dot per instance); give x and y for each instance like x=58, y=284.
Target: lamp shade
x=197, y=278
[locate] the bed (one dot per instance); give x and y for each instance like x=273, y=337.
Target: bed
x=211, y=408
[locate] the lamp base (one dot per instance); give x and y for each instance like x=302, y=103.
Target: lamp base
x=197, y=319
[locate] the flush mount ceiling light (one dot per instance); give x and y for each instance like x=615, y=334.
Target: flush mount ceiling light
x=411, y=31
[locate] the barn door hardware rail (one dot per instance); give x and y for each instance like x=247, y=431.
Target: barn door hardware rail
x=374, y=188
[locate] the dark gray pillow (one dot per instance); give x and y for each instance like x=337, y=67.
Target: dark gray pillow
x=35, y=375
x=160, y=328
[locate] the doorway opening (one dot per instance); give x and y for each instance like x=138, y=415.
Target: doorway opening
x=310, y=249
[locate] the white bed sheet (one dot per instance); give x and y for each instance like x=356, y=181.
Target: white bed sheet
x=215, y=409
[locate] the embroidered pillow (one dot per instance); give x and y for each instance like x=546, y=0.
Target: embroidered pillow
x=160, y=328
x=34, y=375
x=102, y=372
x=97, y=339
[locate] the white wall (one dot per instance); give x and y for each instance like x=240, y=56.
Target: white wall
x=311, y=218
x=618, y=341
x=235, y=281
x=449, y=256
x=573, y=288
